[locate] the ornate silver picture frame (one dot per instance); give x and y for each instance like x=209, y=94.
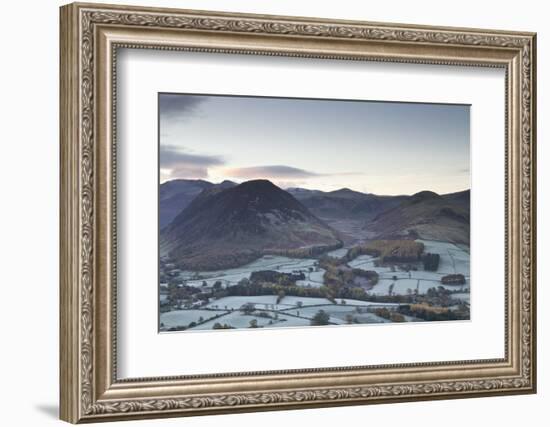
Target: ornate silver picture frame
x=91, y=37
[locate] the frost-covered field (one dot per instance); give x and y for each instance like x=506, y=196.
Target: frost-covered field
x=453, y=260
x=366, y=262
x=339, y=315
x=232, y=276
x=314, y=279
x=400, y=287
x=291, y=300
x=235, y=319
x=184, y=317
x=338, y=253
x=291, y=311
x=462, y=296
x=339, y=312
x=264, y=302
x=269, y=302
x=298, y=311
x=292, y=321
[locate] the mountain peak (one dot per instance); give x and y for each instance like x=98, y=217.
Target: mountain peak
x=426, y=215
x=258, y=184
x=345, y=192
x=261, y=195
x=233, y=226
x=424, y=195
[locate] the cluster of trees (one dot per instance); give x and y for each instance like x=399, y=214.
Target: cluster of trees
x=439, y=296
x=339, y=284
x=436, y=297
x=309, y=252
x=393, y=298
x=428, y=313
x=389, y=314
x=453, y=279
x=431, y=261
x=270, y=276
x=350, y=319
x=246, y=288
x=338, y=275
x=388, y=250
x=370, y=275
x=178, y=295
x=218, y=325
x=247, y=308
x=320, y=318
x=353, y=293
x=167, y=271
x=219, y=261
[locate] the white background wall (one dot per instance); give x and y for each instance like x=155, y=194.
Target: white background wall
x=29, y=170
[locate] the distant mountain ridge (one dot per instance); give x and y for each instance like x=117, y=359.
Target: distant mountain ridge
x=228, y=227
x=426, y=215
x=208, y=226
x=345, y=203
x=175, y=196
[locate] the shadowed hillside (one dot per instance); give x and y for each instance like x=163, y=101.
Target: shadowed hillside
x=427, y=215
x=175, y=195
x=224, y=228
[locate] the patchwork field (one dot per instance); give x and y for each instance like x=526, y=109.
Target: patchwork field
x=232, y=276
x=291, y=311
x=185, y=317
x=296, y=311
x=453, y=260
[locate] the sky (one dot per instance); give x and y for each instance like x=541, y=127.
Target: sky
x=373, y=147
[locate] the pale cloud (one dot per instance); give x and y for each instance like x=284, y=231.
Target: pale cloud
x=385, y=147
x=177, y=163
x=270, y=171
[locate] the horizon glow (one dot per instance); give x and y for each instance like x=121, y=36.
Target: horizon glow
x=372, y=147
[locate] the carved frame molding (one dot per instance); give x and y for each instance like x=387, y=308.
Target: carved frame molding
x=89, y=388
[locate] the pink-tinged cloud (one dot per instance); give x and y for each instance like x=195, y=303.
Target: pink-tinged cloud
x=278, y=172
x=271, y=171
x=180, y=164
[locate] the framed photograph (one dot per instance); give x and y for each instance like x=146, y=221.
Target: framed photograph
x=266, y=212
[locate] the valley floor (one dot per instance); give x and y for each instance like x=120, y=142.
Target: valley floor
x=204, y=312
